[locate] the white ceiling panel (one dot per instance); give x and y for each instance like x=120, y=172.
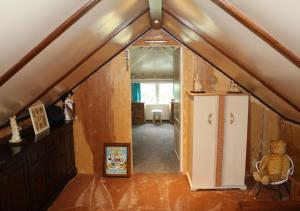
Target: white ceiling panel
x=152, y=61
x=25, y=23
x=280, y=18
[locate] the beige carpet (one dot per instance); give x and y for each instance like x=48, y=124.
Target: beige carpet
x=153, y=149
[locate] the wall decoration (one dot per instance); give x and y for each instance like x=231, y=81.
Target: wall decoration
x=117, y=159
x=39, y=118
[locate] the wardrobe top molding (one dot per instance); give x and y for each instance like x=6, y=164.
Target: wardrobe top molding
x=218, y=94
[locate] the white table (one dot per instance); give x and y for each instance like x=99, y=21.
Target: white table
x=157, y=115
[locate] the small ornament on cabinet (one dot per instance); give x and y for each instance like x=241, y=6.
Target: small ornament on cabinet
x=212, y=81
x=16, y=138
x=234, y=88
x=69, y=107
x=197, y=86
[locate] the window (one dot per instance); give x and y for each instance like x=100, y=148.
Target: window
x=156, y=93
x=165, y=93
x=148, y=93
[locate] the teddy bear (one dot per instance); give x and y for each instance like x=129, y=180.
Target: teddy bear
x=274, y=166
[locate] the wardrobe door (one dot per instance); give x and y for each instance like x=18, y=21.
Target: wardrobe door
x=204, y=144
x=235, y=140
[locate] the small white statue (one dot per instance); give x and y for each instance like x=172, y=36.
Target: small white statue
x=197, y=83
x=15, y=138
x=234, y=87
x=69, y=108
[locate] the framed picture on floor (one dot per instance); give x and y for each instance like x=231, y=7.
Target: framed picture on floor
x=39, y=118
x=116, y=160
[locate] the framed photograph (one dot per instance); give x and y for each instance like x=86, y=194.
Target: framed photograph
x=39, y=118
x=116, y=160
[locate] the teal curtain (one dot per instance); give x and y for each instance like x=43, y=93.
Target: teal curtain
x=136, y=92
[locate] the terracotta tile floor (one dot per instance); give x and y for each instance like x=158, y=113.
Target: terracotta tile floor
x=141, y=192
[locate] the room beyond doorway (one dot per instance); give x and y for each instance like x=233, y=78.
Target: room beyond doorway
x=155, y=105
x=153, y=148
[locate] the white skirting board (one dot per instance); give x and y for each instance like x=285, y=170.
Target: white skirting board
x=202, y=187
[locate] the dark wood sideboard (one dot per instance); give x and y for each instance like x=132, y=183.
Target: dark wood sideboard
x=137, y=113
x=33, y=174
x=172, y=113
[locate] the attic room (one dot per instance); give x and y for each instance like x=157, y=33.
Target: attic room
x=68, y=140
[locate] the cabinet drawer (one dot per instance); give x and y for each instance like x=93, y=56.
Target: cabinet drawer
x=35, y=154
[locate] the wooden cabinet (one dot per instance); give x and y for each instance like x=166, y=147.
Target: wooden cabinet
x=15, y=189
x=37, y=175
x=55, y=161
x=172, y=112
x=218, y=140
x=33, y=174
x=137, y=113
x=69, y=152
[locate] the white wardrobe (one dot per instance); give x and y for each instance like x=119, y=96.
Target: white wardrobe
x=217, y=140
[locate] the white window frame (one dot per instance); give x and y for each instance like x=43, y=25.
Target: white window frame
x=156, y=90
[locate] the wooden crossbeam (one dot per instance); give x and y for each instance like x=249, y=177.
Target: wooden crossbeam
x=155, y=13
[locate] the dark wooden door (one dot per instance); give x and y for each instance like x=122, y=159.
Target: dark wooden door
x=69, y=151
x=37, y=176
x=14, y=190
x=1, y=192
x=55, y=151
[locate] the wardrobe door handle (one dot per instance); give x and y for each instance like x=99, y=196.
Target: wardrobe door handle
x=231, y=119
x=210, y=118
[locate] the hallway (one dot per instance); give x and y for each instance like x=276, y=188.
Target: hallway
x=153, y=149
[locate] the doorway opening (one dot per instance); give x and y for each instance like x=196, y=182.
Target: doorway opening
x=155, y=98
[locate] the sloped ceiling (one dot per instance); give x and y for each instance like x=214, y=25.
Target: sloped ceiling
x=261, y=69
x=152, y=61
x=25, y=23
x=111, y=25
x=108, y=26
x=281, y=19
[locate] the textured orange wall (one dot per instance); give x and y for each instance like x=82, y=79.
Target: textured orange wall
x=104, y=114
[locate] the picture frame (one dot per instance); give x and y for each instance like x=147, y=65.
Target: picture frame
x=116, y=162
x=39, y=118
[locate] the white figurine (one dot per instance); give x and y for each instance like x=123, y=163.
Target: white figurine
x=234, y=87
x=69, y=108
x=197, y=83
x=15, y=138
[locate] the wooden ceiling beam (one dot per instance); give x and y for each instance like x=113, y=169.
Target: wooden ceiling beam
x=108, y=39
x=194, y=29
x=47, y=41
x=155, y=13
x=247, y=22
